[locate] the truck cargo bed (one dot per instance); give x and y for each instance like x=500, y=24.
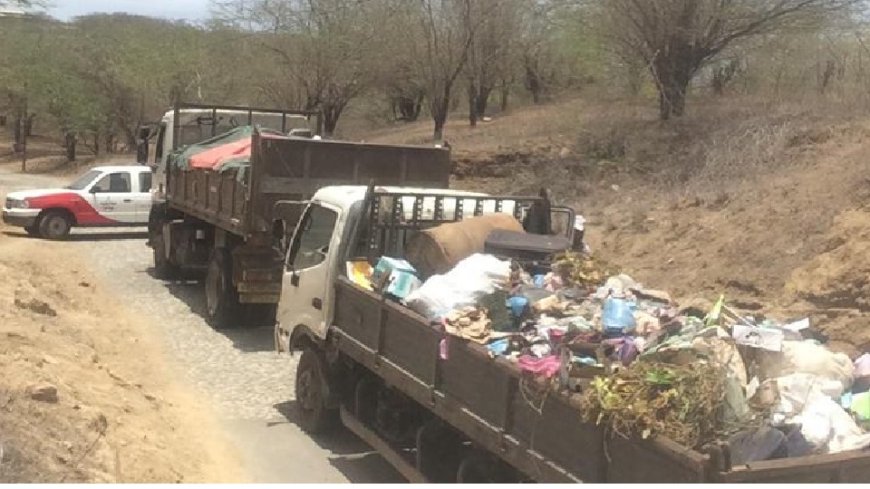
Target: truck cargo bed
x=537, y=430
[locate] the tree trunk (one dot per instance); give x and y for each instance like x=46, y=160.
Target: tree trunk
x=70, y=145
x=331, y=114
x=533, y=84
x=483, y=93
x=504, y=92
x=472, y=104
x=28, y=125
x=408, y=108
x=18, y=134
x=673, y=76
x=418, y=107
x=440, y=108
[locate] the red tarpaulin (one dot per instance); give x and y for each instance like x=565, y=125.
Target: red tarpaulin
x=215, y=157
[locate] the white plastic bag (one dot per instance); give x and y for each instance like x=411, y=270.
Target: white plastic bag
x=808, y=357
x=797, y=391
x=471, y=279
x=829, y=428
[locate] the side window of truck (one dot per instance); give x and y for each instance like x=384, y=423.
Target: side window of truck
x=315, y=234
x=114, y=183
x=145, y=182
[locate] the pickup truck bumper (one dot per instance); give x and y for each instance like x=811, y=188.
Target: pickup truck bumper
x=20, y=217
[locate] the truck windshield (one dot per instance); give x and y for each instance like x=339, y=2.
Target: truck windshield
x=81, y=182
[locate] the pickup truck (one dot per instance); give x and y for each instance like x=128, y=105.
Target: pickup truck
x=376, y=367
x=103, y=196
x=224, y=221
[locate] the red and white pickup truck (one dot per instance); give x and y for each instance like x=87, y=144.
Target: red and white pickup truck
x=104, y=196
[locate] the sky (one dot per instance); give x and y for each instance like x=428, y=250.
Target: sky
x=193, y=10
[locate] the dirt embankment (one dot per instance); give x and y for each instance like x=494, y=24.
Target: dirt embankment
x=85, y=393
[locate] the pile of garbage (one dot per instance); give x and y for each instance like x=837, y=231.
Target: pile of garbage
x=642, y=365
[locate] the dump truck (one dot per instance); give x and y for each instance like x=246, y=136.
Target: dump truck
x=222, y=220
x=440, y=408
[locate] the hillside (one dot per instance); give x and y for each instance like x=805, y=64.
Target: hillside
x=767, y=204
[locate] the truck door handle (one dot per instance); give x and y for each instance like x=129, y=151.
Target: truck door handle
x=317, y=303
x=128, y=200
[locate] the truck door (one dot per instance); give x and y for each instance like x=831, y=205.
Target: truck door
x=113, y=197
x=303, y=291
x=142, y=196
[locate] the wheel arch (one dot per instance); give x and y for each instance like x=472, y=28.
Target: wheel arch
x=301, y=336
x=60, y=210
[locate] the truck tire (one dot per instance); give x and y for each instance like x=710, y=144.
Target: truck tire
x=54, y=225
x=221, y=298
x=312, y=386
x=480, y=468
x=163, y=268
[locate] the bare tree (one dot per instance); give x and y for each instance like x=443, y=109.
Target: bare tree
x=324, y=45
x=440, y=47
x=489, y=59
x=676, y=38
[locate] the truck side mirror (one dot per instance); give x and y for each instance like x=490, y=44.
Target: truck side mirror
x=142, y=145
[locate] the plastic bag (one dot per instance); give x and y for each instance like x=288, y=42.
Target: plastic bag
x=618, y=316
x=807, y=357
x=829, y=428
x=796, y=391
x=470, y=279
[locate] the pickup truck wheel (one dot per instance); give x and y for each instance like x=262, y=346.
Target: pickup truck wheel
x=54, y=225
x=163, y=268
x=311, y=389
x=222, y=300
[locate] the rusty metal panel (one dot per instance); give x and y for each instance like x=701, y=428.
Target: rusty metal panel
x=411, y=344
x=561, y=435
x=357, y=313
x=851, y=467
x=293, y=168
x=475, y=380
x=647, y=461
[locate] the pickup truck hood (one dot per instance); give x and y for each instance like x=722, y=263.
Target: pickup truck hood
x=42, y=192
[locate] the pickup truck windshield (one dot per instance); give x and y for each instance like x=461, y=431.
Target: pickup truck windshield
x=83, y=181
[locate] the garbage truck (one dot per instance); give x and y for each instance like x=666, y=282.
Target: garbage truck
x=214, y=212
x=441, y=408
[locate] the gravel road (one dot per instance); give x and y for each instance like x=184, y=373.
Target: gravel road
x=237, y=371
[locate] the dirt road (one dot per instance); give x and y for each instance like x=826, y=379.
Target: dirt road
x=247, y=384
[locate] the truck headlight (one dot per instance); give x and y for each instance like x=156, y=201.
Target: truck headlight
x=17, y=204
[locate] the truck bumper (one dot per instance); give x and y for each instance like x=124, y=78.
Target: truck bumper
x=20, y=217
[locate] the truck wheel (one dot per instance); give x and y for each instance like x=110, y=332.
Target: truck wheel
x=222, y=300
x=478, y=468
x=311, y=390
x=163, y=268
x=54, y=225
